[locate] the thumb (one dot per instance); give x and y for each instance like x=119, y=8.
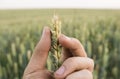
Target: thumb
x=40, y=54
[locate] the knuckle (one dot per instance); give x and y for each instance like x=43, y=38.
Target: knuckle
x=92, y=63
x=77, y=43
x=76, y=40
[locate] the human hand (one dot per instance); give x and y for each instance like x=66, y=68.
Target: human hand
x=36, y=66
x=76, y=64
x=73, y=67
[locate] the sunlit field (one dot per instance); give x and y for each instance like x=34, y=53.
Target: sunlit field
x=97, y=30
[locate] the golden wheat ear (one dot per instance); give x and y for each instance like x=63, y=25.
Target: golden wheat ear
x=55, y=47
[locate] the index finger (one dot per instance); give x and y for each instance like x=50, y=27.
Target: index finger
x=73, y=45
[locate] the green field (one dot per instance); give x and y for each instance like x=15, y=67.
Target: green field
x=97, y=30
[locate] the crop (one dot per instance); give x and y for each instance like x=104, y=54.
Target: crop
x=55, y=47
x=97, y=30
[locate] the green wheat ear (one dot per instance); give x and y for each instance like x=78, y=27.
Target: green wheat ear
x=55, y=46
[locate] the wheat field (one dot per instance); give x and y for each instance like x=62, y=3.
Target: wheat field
x=97, y=30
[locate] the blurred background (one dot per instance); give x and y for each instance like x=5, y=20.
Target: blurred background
x=97, y=29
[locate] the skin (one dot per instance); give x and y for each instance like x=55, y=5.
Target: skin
x=76, y=64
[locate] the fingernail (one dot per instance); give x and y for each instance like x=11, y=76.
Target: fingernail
x=60, y=71
x=45, y=30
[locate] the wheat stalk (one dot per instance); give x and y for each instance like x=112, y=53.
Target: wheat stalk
x=55, y=47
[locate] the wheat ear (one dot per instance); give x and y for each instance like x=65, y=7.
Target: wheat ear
x=55, y=47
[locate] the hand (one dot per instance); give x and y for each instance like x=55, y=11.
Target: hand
x=75, y=63
x=36, y=66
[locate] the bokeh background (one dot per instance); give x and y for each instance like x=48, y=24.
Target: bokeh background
x=97, y=30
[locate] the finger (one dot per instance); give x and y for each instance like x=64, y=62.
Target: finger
x=39, y=57
x=82, y=74
x=65, y=54
x=72, y=45
x=74, y=64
